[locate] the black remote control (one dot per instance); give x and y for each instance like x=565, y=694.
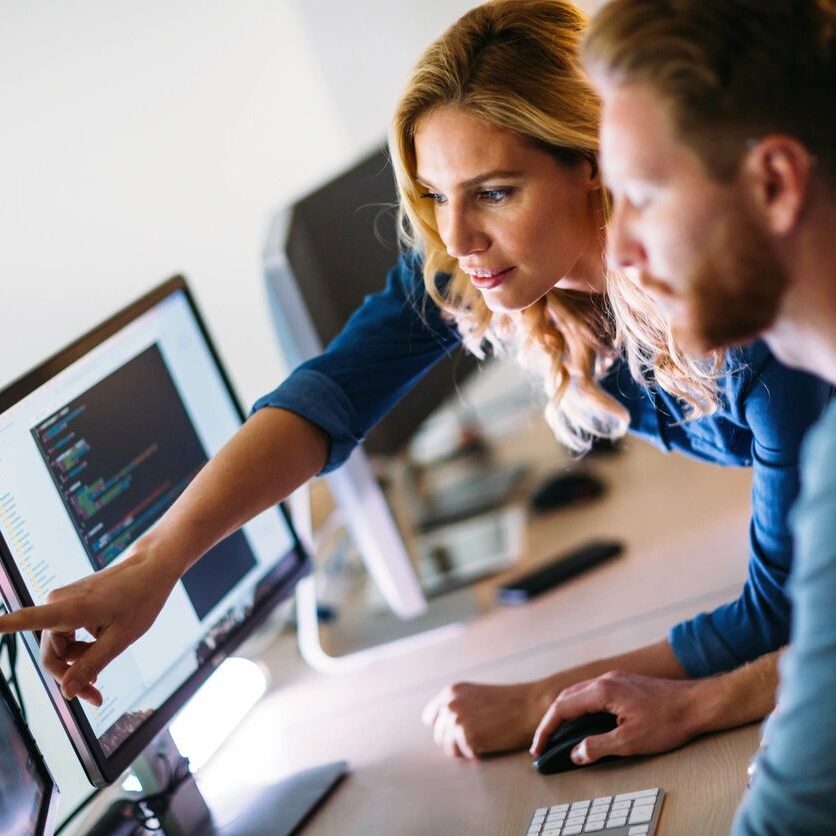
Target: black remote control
x=525, y=587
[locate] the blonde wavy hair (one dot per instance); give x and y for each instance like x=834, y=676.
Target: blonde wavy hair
x=516, y=64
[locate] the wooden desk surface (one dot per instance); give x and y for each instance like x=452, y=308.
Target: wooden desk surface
x=678, y=563
x=685, y=528
x=401, y=783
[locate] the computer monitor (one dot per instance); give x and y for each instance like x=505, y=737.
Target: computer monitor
x=28, y=793
x=95, y=445
x=340, y=243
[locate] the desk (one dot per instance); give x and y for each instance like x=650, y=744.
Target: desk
x=401, y=783
x=677, y=563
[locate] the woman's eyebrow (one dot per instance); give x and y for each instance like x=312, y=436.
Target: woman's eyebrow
x=495, y=174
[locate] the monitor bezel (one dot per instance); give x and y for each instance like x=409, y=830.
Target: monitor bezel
x=103, y=769
x=47, y=815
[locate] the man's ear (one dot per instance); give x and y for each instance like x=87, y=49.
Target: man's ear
x=776, y=172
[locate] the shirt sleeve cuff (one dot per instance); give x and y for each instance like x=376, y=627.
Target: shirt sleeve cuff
x=698, y=649
x=318, y=399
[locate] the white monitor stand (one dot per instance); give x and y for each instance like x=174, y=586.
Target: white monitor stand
x=353, y=486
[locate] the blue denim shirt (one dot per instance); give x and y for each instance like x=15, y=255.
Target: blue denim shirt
x=398, y=334
x=794, y=788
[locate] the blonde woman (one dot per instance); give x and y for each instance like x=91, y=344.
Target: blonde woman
x=494, y=145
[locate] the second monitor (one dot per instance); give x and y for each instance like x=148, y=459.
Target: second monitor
x=95, y=445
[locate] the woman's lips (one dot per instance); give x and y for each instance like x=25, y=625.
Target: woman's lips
x=485, y=280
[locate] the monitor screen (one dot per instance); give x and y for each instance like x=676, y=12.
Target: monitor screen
x=95, y=445
x=28, y=795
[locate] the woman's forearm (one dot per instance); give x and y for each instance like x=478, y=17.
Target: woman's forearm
x=274, y=453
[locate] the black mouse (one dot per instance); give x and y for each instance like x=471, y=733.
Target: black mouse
x=556, y=757
x=566, y=489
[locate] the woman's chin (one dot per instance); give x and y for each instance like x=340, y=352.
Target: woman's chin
x=504, y=300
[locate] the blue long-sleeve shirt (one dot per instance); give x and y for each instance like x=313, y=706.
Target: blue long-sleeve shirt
x=398, y=334
x=794, y=788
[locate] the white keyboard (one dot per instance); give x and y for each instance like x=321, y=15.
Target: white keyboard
x=628, y=814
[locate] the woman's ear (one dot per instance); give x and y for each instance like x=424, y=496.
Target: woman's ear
x=595, y=179
x=776, y=174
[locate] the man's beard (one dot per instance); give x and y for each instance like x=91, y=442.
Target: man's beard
x=734, y=292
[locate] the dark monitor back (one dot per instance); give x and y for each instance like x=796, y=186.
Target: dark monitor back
x=341, y=244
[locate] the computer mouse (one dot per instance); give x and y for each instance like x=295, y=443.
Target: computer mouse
x=566, y=489
x=556, y=757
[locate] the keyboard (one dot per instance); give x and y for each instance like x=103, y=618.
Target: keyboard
x=628, y=814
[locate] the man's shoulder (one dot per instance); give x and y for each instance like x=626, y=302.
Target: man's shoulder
x=820, y=450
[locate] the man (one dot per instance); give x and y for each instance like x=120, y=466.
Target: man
x=719, y=145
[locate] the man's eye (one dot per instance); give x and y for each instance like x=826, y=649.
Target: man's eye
x=436, y=198
x=494, y=195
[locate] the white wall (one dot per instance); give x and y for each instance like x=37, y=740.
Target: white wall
x=141, y=139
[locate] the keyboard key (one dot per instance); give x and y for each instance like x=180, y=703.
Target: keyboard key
x=627, y=796
x=628, y=813
x=639, y=815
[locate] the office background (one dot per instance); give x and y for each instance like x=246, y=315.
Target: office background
x=144, y=139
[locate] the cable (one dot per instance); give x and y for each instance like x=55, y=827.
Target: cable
x=146, y=813
x=158, y=803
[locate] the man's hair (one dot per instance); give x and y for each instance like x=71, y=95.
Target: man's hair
x=730, y=71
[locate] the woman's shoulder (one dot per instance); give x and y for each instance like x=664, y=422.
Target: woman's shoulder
x=754, y=371
x=778, y=402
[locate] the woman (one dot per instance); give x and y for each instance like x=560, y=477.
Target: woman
x=494, y=146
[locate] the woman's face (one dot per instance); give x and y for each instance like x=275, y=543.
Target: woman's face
x=517, y=221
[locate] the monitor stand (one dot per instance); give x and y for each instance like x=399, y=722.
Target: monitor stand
x=278, y=808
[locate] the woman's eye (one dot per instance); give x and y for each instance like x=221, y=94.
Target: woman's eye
x=494, y=195
x=436, y=198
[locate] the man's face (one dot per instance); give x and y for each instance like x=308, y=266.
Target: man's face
x=687, y=238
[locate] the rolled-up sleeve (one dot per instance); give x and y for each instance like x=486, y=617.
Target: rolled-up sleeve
x=387, y=345
x=779, y=405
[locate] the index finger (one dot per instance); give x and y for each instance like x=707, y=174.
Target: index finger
x=45, y=617
x=568, y=706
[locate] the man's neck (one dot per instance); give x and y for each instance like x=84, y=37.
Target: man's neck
x=805, y=333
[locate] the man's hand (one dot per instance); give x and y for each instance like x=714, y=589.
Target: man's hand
x=116, y=606
x=470, y=720
x=654, y=715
